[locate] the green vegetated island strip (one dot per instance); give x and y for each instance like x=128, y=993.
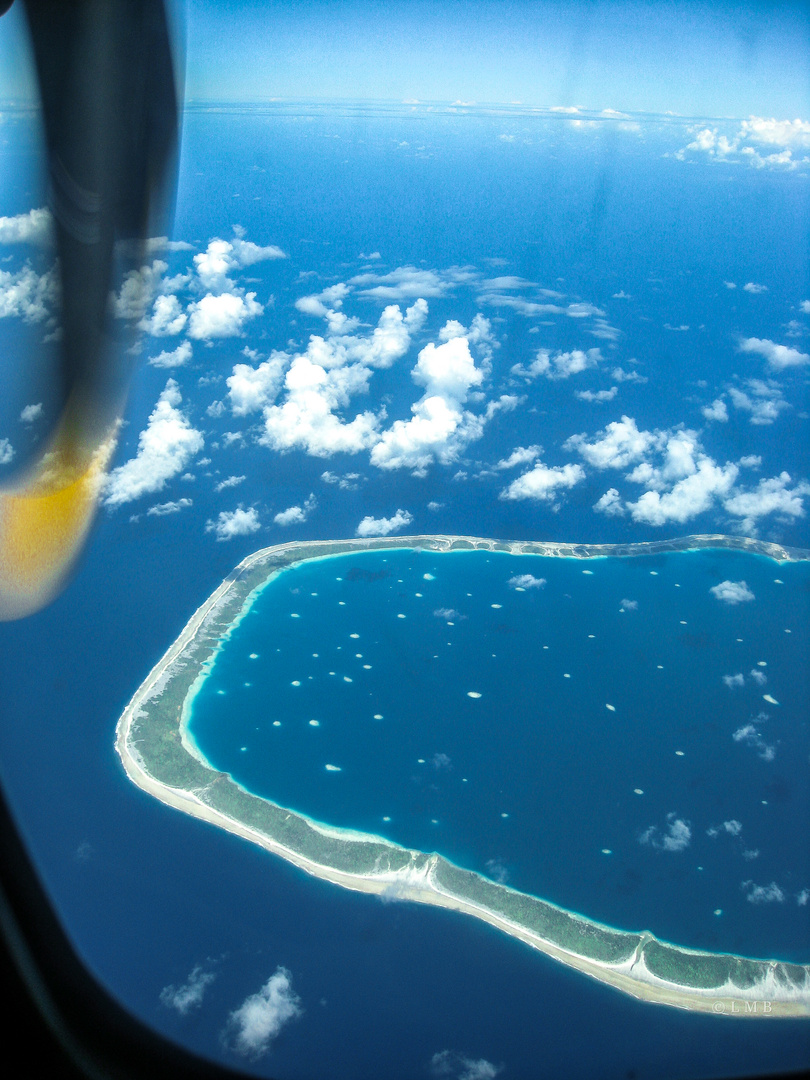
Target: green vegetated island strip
x=160, y=758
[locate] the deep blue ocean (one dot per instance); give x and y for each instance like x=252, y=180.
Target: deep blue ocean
x=148, y=894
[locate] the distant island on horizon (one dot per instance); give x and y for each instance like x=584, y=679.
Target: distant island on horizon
x=160, y=757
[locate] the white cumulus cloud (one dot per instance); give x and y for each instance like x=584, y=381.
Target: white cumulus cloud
x=221, y=316
x=620, y=445
x=35, y=227
x=440, y=427
x=772, y=495
x=544, y=482
x=231, y=523
x=167, y=318
x=371, y=526
x=732, y=592
x=161, y=509
x=165, y=447
x=31, y=413
x=778, y=356
x=526, y=581
x=692, y=495
x=252, y=1027
x=178, y=357
x=295, y=515
x=27, y=294
x=763, y=894
x=450, y=1065
x=190, y=994
x=676, y=835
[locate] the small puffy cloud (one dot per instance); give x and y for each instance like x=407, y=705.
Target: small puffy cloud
x=223, y=257
x=229, y=482
x=306, y=418
x=408, y=282
x=167, y=318
x=733, y=681
x=805, y=306
x=450, y=1065
x=762, y=400
x=315, y=304
x=752, y=287
x=247, y=253
x=451, y=329
x=231, y=523
x=251, y=389
x=214, y=264
x=776, y=132
x=620, y=375
x=562, y=365
x=447, y=613
x=221, y=316
x=732, y=592
x=161, y=509
x=178, y=357
x=689, y=497
x=620, y=445
x=440, y=427
x=676, y=835
x=526, y=581
x=190, y=995
x=6, y=452
x=165, y=447
x=610, y=504
x=750, y=735
x=296, y=515
x=31, y=413
x=28, y=295
x=137, y=290
x=447, y=370
x=35, y=227
x=347, y=482
x=629, y=605
x=771, y=495
x=753, y=134
x=521, y=455
x=370, y=526
x=311, y=305
x=778, y=356
x=716, y=411
x=391, y=336
x=163, y=243
x=293, y=515
x=259, y=1019
x=544, y=482
x=763, y=894
x=598, y=396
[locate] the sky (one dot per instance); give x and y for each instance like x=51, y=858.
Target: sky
x=690, y=58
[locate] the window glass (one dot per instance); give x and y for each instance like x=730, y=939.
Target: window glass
x=430, y=697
